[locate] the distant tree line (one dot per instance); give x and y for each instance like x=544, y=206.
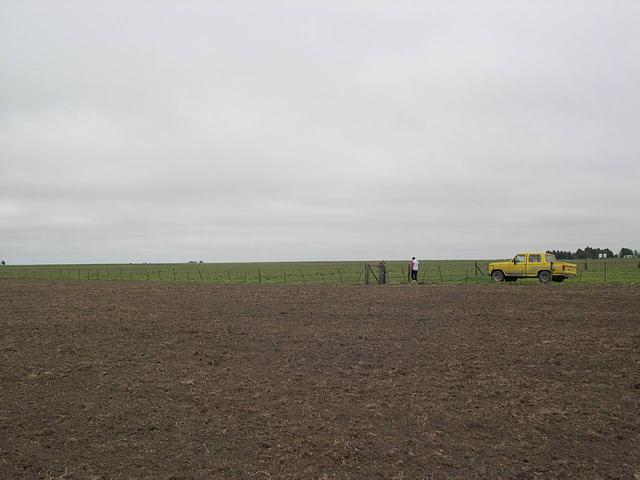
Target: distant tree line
x=589, y=252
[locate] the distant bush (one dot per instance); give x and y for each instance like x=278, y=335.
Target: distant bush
x=587, y=252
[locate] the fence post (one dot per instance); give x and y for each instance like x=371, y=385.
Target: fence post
x=259, y=277
x=605, y=271
x=340, y=274
x=440, y=271
x=284, y=277
x=366, y=274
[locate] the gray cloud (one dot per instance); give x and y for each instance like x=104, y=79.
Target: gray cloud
x=163, y=131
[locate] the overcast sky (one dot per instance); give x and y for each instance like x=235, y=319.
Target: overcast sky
x=282, y=130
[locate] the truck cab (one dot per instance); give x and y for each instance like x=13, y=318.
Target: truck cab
x=541, y=265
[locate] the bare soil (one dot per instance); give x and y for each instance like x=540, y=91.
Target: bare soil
x=173, y=381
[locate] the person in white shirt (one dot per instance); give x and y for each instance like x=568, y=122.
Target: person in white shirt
x=415, y=265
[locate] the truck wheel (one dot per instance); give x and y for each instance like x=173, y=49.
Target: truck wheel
x=558, y=279
x=497, y=276
x=544, y=276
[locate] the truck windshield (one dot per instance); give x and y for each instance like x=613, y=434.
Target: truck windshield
x=550, y=258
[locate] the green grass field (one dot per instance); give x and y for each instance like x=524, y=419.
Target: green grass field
x=336, y=273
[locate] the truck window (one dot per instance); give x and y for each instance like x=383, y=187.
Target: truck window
x=519, y=258
x=535, y=258
x=550, y=258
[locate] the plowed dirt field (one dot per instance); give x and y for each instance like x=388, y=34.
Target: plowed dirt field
x=175, y=381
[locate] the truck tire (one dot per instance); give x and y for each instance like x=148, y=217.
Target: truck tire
x=544, y=276
x=497, y=276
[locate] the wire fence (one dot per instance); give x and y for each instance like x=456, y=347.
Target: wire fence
x=318, y=273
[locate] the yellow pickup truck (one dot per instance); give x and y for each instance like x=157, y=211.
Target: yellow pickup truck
x=544, y=266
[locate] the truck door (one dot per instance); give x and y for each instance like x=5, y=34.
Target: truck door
x=534, y=264
x=519, y=265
